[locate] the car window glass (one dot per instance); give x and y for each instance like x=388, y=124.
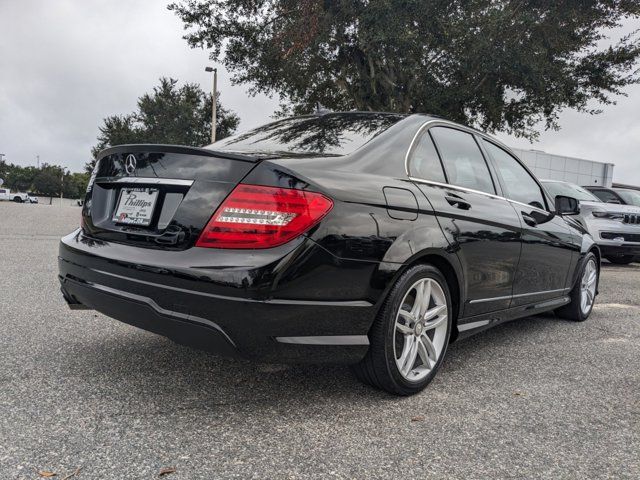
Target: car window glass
x=463, y=161
x=632, y=198
x=425, y=163
x=606, y=196
x=519, y=184
x=329, y=134
x=569, y=190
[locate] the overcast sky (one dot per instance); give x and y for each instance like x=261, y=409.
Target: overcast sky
x=67, y=64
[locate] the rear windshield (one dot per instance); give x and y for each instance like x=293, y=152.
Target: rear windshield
x=330, y=134
x=569, y=190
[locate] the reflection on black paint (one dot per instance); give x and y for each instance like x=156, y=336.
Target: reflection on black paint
x=349, y=246
x=330, y=134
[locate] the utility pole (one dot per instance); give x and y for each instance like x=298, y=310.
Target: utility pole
x=38, y=161
x=213, y=102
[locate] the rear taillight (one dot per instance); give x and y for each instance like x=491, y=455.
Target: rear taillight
x=255, y=216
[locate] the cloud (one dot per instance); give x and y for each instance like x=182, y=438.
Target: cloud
x=65, y=65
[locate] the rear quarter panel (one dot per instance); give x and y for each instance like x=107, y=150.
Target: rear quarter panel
x=381, y=231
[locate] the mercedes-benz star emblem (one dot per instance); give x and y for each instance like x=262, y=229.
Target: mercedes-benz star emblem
x=130, y=164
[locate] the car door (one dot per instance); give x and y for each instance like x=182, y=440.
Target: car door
x=482, y=228
x=548, y=243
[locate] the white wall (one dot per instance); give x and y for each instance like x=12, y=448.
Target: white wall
x=569, y=169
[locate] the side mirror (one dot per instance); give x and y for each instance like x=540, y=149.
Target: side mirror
x=567, y=205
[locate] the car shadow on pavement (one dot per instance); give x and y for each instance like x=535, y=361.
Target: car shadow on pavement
x=144, y=365
x=609, y=265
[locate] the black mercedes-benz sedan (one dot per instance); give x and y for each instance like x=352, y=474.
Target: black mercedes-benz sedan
x=374, y=239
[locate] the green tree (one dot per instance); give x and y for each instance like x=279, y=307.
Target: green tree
x=20, y=178
x=50, y=180
x=75, y=185
x=4, y=169
x=497, y=64
x=170, y=115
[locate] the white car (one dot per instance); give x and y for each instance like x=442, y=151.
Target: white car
x=614, y=227
x=18, y=197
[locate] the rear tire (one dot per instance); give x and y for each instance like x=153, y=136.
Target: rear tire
x=583, y=295
x=410, y=335
x=621, y=260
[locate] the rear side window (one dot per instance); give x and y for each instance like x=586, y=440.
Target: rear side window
x=518, y=183
x=462, y=159
x=425, y=163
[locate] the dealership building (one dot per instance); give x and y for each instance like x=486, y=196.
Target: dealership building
x=575, y=170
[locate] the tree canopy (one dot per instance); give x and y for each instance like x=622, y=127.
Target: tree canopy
x=47, y=180
x=497, y=64
x=170, y=115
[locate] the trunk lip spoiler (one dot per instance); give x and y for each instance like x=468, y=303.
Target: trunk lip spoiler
x=146, y=181
x=160, y=148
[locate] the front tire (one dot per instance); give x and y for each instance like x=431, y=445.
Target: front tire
x=583, y=295
x=17, y=199
x=410, y=335
x=621, y=260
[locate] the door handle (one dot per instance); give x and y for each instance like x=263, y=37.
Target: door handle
x=457, y=202
x=529, y=220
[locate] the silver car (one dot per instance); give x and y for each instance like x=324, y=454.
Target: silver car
x=615, y=228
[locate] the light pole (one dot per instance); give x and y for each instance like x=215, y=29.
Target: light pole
x=213, y=102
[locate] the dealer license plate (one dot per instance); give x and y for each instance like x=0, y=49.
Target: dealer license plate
x=135, y=206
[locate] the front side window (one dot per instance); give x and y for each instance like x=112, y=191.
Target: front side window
x=462, y=159
x=518, y=183
x=425, y=163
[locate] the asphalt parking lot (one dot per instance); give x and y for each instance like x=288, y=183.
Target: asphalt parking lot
x=539, y=397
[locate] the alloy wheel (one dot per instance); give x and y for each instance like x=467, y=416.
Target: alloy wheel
x=420, y=329
x=588, y=286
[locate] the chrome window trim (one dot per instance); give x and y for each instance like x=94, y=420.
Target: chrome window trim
x=455, y=187
x=472, y=131
x=146, y=180
x=470, y=190
x=519, y=295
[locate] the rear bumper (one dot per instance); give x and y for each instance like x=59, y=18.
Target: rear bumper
x=231, y=311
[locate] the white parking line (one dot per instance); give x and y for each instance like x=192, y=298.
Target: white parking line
x=598, y=306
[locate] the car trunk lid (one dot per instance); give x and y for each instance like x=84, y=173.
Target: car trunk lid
x=159, y=196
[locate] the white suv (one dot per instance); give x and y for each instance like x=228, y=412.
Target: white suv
x=614, y=227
